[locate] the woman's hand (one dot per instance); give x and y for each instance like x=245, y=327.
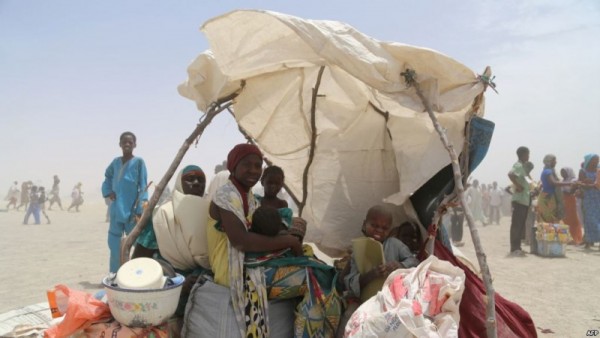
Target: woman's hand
x=295, y=245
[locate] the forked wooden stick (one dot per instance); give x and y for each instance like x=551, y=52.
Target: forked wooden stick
x=313, y=141
x=491, y=327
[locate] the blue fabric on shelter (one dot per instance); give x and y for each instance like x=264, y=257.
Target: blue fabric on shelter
x=481, y=131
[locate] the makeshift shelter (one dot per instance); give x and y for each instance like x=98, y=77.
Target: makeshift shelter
x=328, y=104
x=373, y=142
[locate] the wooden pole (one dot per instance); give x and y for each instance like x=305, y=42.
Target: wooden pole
x=214, y=109
x=313, y=141
x=410, y=78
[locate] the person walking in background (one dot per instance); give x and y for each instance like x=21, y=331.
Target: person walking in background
x=474, y=201
x=13, y=195
x=42, y=201
x=520, y=201
x=77, y=197
x=457, y=218
x=569, y=197
x=25, y=190
x=34, y=206
x=591, y=200
x=485, y=201
x=496, y=195
x=55, y=194
x=124, y=184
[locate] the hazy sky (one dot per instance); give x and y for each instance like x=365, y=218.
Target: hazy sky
x=75, y=74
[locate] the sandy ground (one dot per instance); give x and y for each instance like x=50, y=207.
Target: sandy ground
x=561, y=294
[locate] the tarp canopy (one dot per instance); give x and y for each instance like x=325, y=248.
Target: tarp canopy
x=374, y=142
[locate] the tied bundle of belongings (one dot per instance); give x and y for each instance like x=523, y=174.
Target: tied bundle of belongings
x=553, y=232
x=552, y=239
x=418, y=302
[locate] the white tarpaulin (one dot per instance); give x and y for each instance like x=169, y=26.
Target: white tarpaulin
x=362, y=100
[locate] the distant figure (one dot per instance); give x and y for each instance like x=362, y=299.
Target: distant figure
x=457, y=218
x=34, y=206
x=496, y=195
x=124, y=184
x=55, y=194
x=569, y=196
x=77, y=197
x=485, y=200
x=550, y=205
x=13, y=195
x=475, y=202
x=591, y=200
x=521, y=201
x=42, y=201
x=25, y=189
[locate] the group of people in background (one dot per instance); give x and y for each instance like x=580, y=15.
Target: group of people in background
x=33, y=198
x=572, y=199
x=485, y=203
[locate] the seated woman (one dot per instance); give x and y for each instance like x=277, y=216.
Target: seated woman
x=230, y=238
x=174, y=232
x=377, y=225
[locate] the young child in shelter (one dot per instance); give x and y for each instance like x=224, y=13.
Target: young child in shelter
x=377, y=225
x=410, y=234
x=272, y=181
x=267, y=221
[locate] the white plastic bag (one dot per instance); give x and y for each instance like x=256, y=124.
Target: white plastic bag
x=418, y=302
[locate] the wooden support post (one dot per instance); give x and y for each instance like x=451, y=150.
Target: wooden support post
x=410, y=78
x=313, y=141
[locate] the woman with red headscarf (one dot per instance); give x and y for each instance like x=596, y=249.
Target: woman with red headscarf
x=229, y=238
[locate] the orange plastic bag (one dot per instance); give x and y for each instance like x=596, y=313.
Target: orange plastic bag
x=82, y=311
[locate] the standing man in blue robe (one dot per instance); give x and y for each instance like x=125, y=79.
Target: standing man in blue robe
x=125, y=185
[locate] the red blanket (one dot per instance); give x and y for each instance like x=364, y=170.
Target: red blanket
x=512, y=320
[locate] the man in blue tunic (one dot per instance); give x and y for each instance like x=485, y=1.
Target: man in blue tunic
x=125, y=185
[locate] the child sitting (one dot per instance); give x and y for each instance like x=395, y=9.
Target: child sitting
x=377, y=225
x=267, y=221
x=410, y=234
x=272, y=181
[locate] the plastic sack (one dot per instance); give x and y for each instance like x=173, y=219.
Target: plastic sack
x=418, y=302
x=82, y=311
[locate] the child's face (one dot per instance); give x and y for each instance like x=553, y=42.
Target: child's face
x=272, y=184
x=377, y=226
x=127, y=144
x=408, y=236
